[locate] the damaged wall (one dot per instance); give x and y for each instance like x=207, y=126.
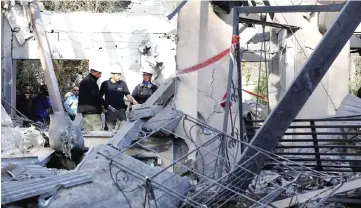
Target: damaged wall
x=112, y=37
x=290, y=60
x=202, y=34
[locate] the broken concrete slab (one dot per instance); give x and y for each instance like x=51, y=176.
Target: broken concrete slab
x=168, y=119
x=36, y=156
x=104, y=193
x=98, y=134
x=19, y=23
x=163, y=94
x=144, y=112
x=15, y=191
x=67, y=138
x=129, y=133
x=21, y=172
x=157, y=144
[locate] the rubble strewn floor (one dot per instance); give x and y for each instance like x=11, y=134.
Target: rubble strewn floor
x=103, y=193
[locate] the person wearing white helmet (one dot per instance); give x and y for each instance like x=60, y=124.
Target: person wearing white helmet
x=90, y=102
x=145, y=89
x=114, y=91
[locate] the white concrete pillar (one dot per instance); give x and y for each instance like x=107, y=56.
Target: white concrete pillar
x=8, y=72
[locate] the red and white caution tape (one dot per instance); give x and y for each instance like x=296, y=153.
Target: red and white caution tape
x=204, y=63
x=209, y=61
x=213, y=60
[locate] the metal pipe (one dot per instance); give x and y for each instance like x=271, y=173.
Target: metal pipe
x=316, y=126
x=320, y=153
x=239, y=76
x=289, y=9
x=321, y=140
x=228, y=101
x=318, y=146
x=314, y=160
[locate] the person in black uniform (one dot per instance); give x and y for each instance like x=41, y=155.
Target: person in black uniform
x=114, y=90
x=145, y=89
x=90, y=102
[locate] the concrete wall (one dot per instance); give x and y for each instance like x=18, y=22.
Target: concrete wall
x=114, y=37
x=202, y=34
x=294, y=50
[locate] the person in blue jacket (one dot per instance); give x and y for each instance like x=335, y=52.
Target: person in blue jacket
x=71, y=103
x=41, y=105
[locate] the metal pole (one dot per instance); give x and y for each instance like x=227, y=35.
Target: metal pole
x=297, y=94
x=228, y=99
x=289, y=9
x=239, y=76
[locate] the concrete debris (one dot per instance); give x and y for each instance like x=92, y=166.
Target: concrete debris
x=104, y=192
x=157, y=144
x=8, y=138
x=15, y=191
x=167, y=119
x=319, y=194
x=21, y=172
x=130, y=132
x=7, y=132
x=28, y=138
x=258, y=111
x=5, y=118
x=65, y=139
x=19, y=23
x=144, y=112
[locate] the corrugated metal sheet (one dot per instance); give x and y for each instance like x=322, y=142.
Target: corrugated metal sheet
x=15, y=191
x=18, y=171
x=19, y=160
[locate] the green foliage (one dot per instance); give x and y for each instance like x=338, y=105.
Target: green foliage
x=68, y=73
x=248, y=79
x=355, y=77
x=262, y=88
x=99, y=6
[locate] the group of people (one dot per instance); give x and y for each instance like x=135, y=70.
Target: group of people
x=90, y=100
x=34, y=106
x=110, y=97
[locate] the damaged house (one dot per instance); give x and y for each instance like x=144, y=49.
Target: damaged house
x=255, y=105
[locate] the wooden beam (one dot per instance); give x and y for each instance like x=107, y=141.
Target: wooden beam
x=45, y=56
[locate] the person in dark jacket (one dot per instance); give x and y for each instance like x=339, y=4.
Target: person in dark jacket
x=41, y=105
x=90, y=102
x=144, y=90
x=24, y=103
x=114, y=90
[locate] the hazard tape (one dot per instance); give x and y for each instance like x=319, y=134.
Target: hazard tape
x=254, y=94
x=209, y=61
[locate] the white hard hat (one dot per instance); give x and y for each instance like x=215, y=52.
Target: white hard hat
x=116, y=69
x=95, y=65
x=147, y=69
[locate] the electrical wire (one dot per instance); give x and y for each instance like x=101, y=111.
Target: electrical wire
x=39, y=126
